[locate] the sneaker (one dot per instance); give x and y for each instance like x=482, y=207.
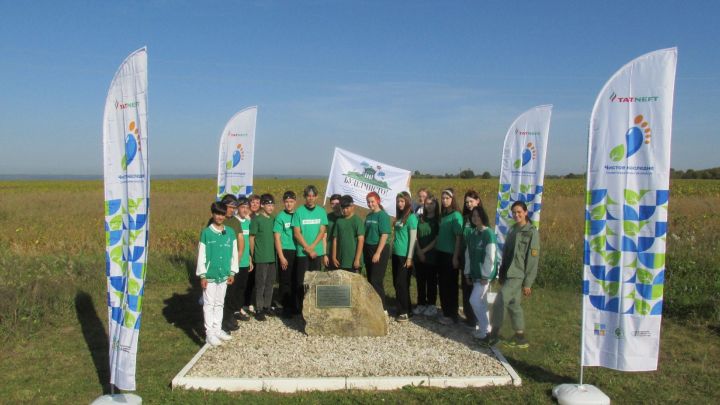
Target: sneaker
x=241, y=315
x=260, y=316
x=478, y=334
x=230, y=326
x=213, y=341
x=486, y=341
x=492, y=339
x=402, y=318
x=518, y=341
x=419, y=310
x=222, y=335
x=430, y=310
x=446, y=320
x=271, y=312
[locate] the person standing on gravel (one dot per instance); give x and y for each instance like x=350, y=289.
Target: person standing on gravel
x=286, y=251
x=402, y=253
x=309, y=225
x=425, y=262
x=332, y=217
x=348, y=238
x=262, y=251
x=448, y=255
x=376, y=251
x=518, y=270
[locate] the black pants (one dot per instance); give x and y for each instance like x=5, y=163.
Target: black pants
x=376, y=271
x=303, y=263
x=427, y=282
x=467, y=307
x=250, y=288
x=285, y=282
x=237, y=290
x=401, y=282
x=448, y=280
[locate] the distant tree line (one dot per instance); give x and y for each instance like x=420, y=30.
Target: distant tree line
x=709, y=174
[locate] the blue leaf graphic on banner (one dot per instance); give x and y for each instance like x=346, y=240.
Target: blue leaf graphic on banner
x=504, y=204
x=613, y=305
x=137, y=322
x=521, y=197
x=596, y=196
x=662, y=196
x=657, y=308
x=598, y=301
x=118, y=283
x=646, y=212
x=609, y=247
x=138, y=222
x=632, y=278
x=613, y=274
x=112, y=206
x=628, y=245
x=137, y=252
x=659, y=278
x=107, y=264
x=660, y=229
x=645, y=243
x=586, y=258
x=645, y=290
x=114, y=237
x=629, y=213
x=596, y=226
x=598, y=272
x=586, y=287
x=249, y=190
x=137, y=270
x=132, y=302
x=504, y=188
x=117, y=314
x=530, y=197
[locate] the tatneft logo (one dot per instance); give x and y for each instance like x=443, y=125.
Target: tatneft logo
x=614, y=98
x=237, y=134
x=122, y=106
x=527, y=133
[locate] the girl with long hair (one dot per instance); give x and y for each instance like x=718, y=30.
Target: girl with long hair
x=448, y=249
x=425, y=262
x=375, y=250
x=402, y=253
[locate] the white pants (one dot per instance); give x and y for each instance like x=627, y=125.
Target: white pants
x=213, y=302
x=479, y=303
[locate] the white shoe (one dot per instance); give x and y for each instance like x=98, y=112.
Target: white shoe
x=222, y=335
x=430, y=310
x=419, y=310
x=446, y=320
x=214, y=341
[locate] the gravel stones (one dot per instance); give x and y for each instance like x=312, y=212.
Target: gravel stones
x=279, y=348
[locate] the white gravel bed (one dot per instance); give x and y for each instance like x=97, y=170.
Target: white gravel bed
x=279, y=348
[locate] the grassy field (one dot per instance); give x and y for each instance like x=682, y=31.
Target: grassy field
x=53, y=314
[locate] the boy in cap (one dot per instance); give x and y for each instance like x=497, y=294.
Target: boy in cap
x=262, y=250
x=348, y=237
x=286, y=251
x=240, y=223
x=332, y=216
x=309, y=226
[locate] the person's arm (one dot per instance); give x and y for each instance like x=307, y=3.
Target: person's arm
x=235, y=261
x=358, y=251
x=252, y=247
x=240, y=245
x=201, y=268
x=335, y=260
x=532, y=258
x=380, y=247
x=456, y=253
x=279, y=250
x=488, y=264
x=297, y=233
x=320, y=237
x=411, y=248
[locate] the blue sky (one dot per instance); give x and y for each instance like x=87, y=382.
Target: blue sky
x=423, y=85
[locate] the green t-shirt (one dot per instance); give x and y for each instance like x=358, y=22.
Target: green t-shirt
x=218, y=253
x=426, y=233
x=376, y=224
x=261, y=227
x=467, y=229
x=402, y=235
x=450, y=227
x=477, y=242
x=310, y=222
x=332, y=217
x=346, y=231
x=283, y=227
x=245, y=225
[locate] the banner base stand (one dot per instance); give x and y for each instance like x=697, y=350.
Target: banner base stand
x=574, y=394
x=128, y=399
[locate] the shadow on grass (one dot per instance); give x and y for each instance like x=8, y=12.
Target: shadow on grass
x=93, y=330
x=185, y=312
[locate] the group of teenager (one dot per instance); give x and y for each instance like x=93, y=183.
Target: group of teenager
x=246, y=246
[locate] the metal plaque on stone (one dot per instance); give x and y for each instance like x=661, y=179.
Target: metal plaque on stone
x=333, y=296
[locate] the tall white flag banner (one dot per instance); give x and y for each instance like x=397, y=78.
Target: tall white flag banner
x=357, y=176
x=127, y=198
x=523, y=168
x=237, y=150
x=626, y=214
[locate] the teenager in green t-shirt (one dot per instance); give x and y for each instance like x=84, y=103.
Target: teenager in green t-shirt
x=348, y=237
x=262, y=250
x=402, y=253
x=375, y=251
x=286, y=251
x=229, y=323
x=309, y=225
x=332, y=217
x=472, y=200
x=481, y=264
x=426, y=273
x=242, y=291
x=448, y=252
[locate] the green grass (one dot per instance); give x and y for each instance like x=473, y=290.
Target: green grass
x=53, y=318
